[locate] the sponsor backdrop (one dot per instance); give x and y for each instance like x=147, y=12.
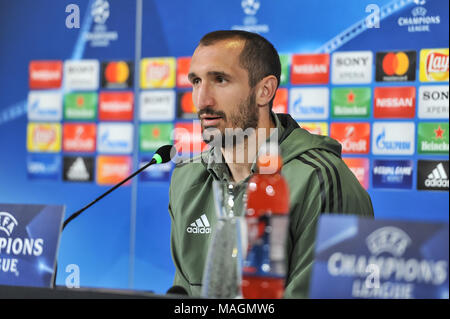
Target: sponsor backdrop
x=91, y=90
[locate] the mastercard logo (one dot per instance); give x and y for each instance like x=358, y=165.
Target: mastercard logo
x=117, y=72
x=187, y=105
x=395, y=63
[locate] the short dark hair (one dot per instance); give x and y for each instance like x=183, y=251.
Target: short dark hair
x=259, y=57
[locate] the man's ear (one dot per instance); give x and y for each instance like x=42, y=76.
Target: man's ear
x=266, y=89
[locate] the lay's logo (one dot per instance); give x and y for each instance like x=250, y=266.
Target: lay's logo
x=433, y=65
x=158, y=73
x=44, y=137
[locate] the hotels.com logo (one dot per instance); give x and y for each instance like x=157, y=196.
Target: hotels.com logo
x=113, y=169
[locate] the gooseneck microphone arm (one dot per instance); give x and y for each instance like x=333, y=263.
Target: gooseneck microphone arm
x=162, y=155
x=74, y=215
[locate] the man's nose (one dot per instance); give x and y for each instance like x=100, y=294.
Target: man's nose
x=203, y=97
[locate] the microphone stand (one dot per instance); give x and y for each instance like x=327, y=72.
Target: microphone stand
x=74, y=215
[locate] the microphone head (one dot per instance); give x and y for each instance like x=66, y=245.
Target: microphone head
x=177, y=290
x=164, y=154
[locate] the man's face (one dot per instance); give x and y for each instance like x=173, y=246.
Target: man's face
x=221, y=91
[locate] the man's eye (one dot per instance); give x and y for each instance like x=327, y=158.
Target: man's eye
x=220, y=79
x=195, y=81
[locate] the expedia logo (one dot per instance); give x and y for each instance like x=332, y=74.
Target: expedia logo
x=7, y=223
x=200, y=226
x=388, y=239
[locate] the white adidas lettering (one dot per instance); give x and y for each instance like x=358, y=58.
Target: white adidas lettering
x=200, y=226
x=438, y=178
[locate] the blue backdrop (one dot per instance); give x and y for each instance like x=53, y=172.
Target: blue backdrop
x=123, y=241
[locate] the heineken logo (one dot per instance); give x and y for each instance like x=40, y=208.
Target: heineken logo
x=433, y=138
x=350, y=102
x=80, y=106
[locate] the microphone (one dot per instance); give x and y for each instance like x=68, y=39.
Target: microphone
x=163, y=155
x=176, y=290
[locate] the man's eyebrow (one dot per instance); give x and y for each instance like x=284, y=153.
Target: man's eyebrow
x=218, y=73
x=192, y=75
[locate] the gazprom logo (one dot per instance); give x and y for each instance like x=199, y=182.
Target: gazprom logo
x=309, y=103
x=115, y=138
x=7, y=223
x=388, y=239
x=393, y=138
x=44, y=106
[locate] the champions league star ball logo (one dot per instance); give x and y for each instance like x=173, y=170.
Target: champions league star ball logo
x=7, y=223
x=250, y=7
x=100, y=11
x=250, y=22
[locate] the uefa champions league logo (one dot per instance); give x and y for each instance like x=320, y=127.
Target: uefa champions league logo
x=388, y=239
x=100, y=11
x=250, y=22
x=7, y=223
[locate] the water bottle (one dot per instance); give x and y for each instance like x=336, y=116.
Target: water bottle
x=267, y=218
